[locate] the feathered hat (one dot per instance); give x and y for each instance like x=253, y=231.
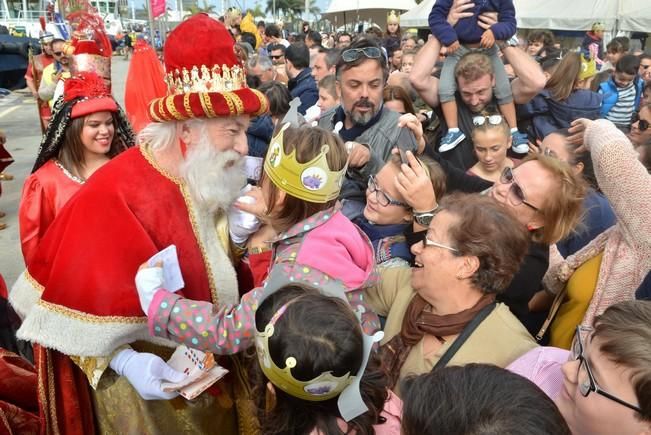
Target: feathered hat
x=89, y=47
x=204, y=77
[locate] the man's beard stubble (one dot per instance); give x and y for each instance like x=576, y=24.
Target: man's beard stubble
x=214, y=177
x=361, y=119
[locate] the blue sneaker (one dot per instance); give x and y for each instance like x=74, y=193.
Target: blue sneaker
x=451, y=140
x=520, y=143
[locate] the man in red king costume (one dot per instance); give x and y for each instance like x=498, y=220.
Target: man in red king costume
x=94, y=356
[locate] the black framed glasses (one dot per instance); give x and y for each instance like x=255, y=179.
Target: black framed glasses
x=585, y=376
x=381, y=197
x=279, y=56
x=642, y=125
x=352, y=54
x=515, y=191
x=57, y=53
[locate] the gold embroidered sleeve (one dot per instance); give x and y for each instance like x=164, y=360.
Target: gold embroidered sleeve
x=93, y=367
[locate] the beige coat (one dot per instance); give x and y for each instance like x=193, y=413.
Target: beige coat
x=499, y=339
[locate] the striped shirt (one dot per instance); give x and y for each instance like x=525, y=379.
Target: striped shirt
x=622, y=111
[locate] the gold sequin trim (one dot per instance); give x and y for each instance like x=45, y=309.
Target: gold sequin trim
x=51, y=392
x=169, y=103
x=206, y=104
x=30, y=279
x=264, y=106
x=38, y=349
x=186, y=105
x=238, y=102
x=91, y=318
x=148, y=154
x=195, y=229
x=152, y=112
x=161, y=109
x=229, y=102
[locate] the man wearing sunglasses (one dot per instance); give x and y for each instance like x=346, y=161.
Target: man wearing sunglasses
x=34, y=75
x=368, y=128
x=57, y=70
x=474, y=88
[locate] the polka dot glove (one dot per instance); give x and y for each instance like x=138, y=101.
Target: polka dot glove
x=148, y=281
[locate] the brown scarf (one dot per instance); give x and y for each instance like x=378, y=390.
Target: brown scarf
x=417, y=323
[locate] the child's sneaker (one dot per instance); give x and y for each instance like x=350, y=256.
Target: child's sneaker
x=520, y=143
x=451, y=140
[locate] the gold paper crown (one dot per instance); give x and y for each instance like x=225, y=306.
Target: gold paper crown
x=213, y=79
x=588, y=68
x=324, y=387
x=312, y=181
x=393, y=18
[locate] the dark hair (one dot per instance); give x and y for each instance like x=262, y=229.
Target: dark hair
x=602, y=76
x=71, y=153
x=249, y=38
x=344, y=34
x=619, y=44
x=628, y=64
x=645, y=155
x=278, y=96
x=391, y=93
x=624, y=332
x=272, y=31
x=275, y=47
x=486, y=230
x=307, y=143
x=544, y=36
x=260, y=24
x=323, y=334
x=314, y=36
x=477, y=399
x=362, y=42
x=331, y=56
x=298, y=54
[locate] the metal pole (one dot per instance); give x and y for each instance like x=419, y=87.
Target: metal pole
x=151, y=22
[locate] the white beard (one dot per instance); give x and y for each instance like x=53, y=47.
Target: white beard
x=214, y=177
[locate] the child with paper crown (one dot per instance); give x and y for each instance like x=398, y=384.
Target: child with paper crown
x=312, y=242
x=465, y=37
x=317, y=373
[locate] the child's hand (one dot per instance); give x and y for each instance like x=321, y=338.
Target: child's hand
x=453, y=47
x=487, y=39
x=148, y=281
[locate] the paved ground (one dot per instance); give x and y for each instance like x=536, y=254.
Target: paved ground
x=19, y=121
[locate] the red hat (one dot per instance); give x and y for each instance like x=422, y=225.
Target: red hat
x=95, y=96
x=205, y=79
x=89, y=47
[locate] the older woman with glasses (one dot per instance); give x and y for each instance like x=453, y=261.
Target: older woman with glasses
x=611, y=267
x=443, y=311
x=601, y=386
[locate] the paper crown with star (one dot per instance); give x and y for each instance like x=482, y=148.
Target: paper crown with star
x=313, y=181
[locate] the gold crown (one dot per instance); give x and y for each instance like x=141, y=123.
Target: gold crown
x=312, y=181
x=324, y=387
x=393, y=18
x=213, y=79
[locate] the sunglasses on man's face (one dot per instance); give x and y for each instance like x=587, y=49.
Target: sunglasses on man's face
x=58, y=53
x=277, y=56
x=642, y=124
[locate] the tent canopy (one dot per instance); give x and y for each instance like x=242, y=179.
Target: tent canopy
x=343, y=12
x=624, y=15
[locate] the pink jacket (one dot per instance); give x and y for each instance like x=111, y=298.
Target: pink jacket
x=326, y=251
x=627, y=244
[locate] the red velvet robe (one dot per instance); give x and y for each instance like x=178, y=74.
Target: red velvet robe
x=85, y=268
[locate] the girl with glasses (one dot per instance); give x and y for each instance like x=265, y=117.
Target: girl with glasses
x=491, y=139
x=601, y=386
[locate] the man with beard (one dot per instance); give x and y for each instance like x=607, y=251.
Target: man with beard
x=369, y=129
x=78, y=298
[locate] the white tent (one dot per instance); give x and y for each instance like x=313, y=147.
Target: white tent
x=624, y=15
x=342, y=12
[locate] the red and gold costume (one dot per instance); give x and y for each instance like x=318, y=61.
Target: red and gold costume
x=34, y=74
x=78, y=295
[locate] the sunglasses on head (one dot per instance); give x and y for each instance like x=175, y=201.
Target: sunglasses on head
x=352, y=54
x=492, y=120
x=642, y=124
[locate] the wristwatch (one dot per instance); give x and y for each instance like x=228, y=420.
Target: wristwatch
x=511, y=42
x=423, y=218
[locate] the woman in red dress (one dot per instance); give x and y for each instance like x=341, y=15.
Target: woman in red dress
x=87, y=129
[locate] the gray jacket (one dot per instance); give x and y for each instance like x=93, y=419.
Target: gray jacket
x=381, y=138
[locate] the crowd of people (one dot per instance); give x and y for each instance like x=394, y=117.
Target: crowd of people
x=373, y=233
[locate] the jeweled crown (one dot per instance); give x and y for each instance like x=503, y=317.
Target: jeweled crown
x=324, y=387
x=312, y=181
x=204, y=79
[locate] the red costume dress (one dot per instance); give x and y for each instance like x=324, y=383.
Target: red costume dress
x=45, y=193
x=35, y=73
x=79, y=297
